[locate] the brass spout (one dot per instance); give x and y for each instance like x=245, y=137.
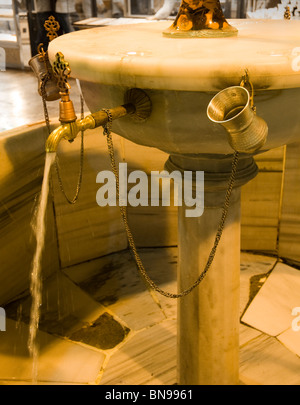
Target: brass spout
x=67, y=131
x=138, y=105
x=70, y=130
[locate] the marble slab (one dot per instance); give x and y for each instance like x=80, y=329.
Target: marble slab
x=59, y=360
x=289, y=234
x=265, y=361
x=65, y=308
x=161, y=265
x=271, y=309
x=272, y=160
x=21, y=174
x=260, y=203
x=247, y=334
x=260, y=206
x=117, y=285
x=143, y=58
x=254, y=270
x=291, y=340
x=148, y=358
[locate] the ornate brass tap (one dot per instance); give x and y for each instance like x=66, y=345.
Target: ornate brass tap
x=136, y=105
x=62, y=71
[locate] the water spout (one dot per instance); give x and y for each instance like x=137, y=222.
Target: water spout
x=138, y=106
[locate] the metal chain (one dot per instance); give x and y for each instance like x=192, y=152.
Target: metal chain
x=246, y=82
x=57, y=168
x=43, y=91
x=56, y=164
x=153, y=285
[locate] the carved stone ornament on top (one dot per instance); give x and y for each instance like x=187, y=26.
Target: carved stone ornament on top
x=197, y=18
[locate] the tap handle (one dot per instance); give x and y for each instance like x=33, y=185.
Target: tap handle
x=61, y=71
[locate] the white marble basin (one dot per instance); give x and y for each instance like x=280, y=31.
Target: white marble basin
x=182, y=75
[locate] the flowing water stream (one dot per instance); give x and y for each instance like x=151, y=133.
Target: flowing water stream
x=39, y=228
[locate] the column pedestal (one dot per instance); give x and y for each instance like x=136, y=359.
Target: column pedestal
x=208, y=318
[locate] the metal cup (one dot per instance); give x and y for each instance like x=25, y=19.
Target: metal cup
x=230, y=108
x=41, y=67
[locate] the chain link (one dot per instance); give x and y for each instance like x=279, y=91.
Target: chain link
x=43, y=91
x=137, y=258
x=57, y=168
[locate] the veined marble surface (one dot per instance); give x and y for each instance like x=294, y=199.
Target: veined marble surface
x=139, y=56
x=181, y=75
x=147, y=353
x=271, y=309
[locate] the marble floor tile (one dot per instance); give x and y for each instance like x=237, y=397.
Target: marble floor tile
x=265, y=361
x=161, y=266
x=271, y=309
x=81, y=272
x=111, y=288
x=254, y=270
x=104, y=333
x=291, y=340
x=247, y=334
x=148, y=358
x=118, y=286
x=59, y=360
x=65, y=307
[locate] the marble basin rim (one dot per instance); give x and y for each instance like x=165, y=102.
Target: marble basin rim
x=182, y=75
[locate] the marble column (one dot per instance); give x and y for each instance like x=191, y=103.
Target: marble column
x=208, y=318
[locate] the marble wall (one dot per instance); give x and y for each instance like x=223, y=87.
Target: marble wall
x=289, y=234
x=22, y=160
x=260, y=205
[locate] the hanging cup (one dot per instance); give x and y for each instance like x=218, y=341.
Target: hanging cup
x=231, y=109
x=41, y=67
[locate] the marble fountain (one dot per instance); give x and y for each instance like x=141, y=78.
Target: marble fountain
x=181, y=75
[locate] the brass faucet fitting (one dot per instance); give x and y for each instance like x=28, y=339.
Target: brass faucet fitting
x=137, y=105
x=66, y=109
